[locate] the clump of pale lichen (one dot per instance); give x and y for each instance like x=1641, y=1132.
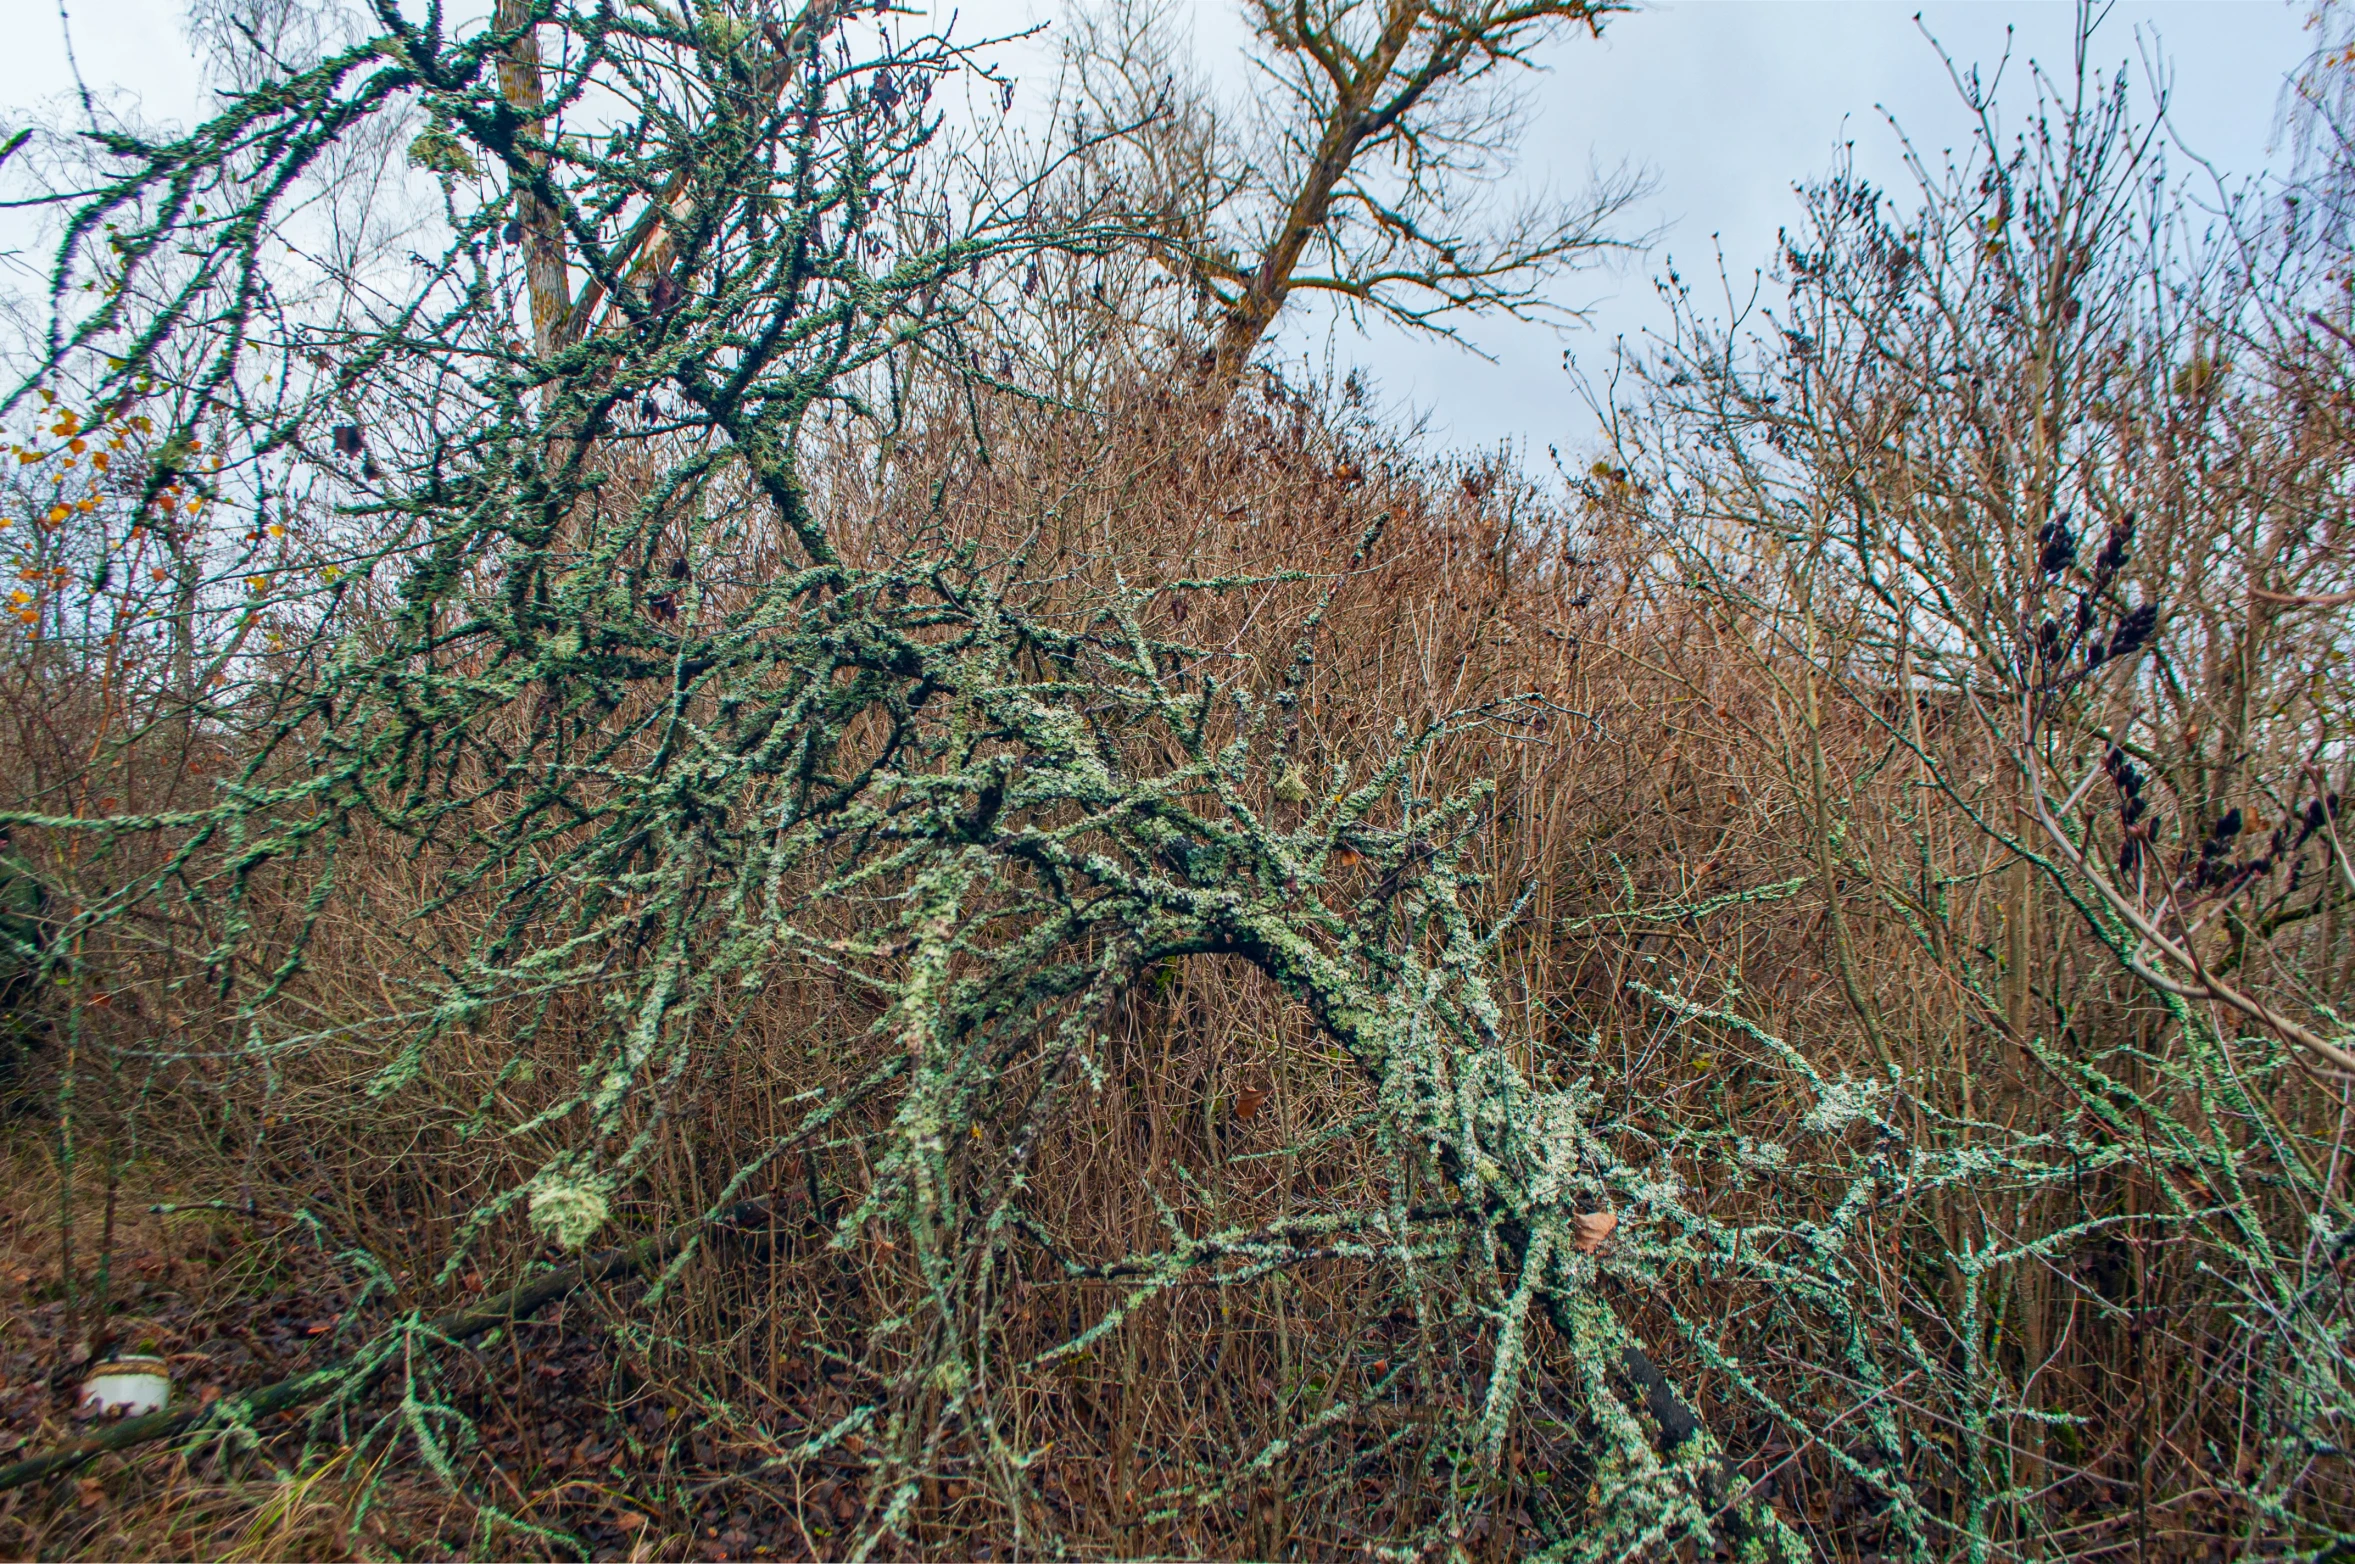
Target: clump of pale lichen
x=569, y=1210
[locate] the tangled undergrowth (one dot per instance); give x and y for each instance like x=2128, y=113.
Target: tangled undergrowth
x=1085, y=972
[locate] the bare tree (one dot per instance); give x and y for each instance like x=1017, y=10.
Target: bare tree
x=2036, y=480
x=1366, y=171
x=246, y=44
x=2317, y=119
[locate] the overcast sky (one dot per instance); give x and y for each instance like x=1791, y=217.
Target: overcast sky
x=1731, y=102
x=1726, y=102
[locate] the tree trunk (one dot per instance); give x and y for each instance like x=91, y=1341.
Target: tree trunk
x=543, y=237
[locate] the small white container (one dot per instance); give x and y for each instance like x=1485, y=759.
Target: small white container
x=131, y=1386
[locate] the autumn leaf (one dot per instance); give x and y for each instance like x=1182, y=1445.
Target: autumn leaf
x=1593, y=1230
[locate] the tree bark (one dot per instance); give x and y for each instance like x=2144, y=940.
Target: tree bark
x=1346, y=128
x=542, y=234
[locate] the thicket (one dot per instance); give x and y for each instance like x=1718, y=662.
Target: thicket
x=1062, y=947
